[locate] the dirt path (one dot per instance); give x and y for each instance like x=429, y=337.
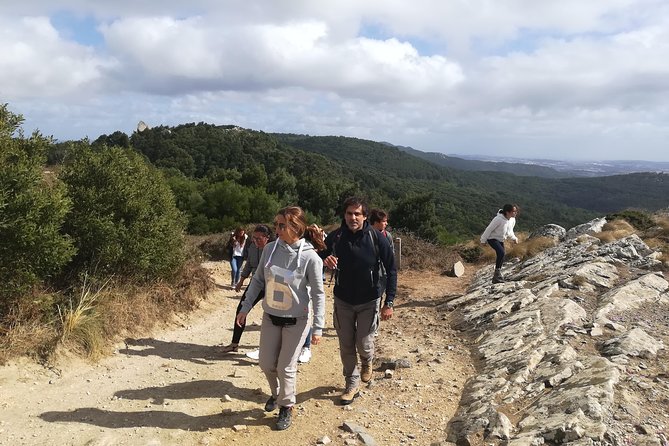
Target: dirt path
x=176, y=388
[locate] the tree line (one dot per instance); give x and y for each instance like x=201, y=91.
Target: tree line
x=119, y=205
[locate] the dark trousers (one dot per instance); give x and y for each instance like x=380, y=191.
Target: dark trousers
x=237, y=330
x=499, y=250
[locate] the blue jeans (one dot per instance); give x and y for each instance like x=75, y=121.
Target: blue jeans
x=236, y=264
x=499, y=250
x=307, y=342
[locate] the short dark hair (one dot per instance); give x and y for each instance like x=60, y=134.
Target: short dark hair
x=264, y=230
x=376, y=215
x=355, y=202
x=508, y=208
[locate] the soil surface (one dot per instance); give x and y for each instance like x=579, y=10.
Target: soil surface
x=176, y=387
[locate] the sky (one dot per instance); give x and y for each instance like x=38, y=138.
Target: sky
x=568, y=79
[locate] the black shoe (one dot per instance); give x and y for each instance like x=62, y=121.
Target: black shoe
x=285, y=418
x=270, y=405
x=497, y=277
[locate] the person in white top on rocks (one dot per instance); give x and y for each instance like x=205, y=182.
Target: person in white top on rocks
x=499, y=229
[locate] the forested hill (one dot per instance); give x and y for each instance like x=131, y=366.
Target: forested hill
x=224, y=175
x=557, y=200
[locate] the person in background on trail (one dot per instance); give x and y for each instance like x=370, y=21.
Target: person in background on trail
x=252, y=252
x=354, y=251
x=499, y=229
x=305, y=353
x=236, y=250
x=378, y=218
x=290, y=271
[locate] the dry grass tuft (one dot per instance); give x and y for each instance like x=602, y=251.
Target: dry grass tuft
x=615, y=230
x=24, y=332
x=421, y=255
x=578, y=280
x=132, y=310
x=530, y=248
x=662, y=222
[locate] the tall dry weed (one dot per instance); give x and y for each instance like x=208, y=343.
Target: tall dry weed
x=80, y=323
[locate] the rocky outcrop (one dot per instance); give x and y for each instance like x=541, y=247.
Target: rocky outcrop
x=571, y=349
x=555, y=232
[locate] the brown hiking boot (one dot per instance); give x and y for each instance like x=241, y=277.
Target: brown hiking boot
x=349, y=395
x=366, y=373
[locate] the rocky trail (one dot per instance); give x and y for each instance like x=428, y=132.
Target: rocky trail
x=175, y=387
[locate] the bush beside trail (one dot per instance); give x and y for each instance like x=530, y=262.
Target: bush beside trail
x=85, y=253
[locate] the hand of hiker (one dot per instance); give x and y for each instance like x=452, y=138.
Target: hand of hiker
x=330, y=262
x=386, y=313
x=241, y=319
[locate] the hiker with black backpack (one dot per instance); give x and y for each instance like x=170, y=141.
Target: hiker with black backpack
x=354, y=252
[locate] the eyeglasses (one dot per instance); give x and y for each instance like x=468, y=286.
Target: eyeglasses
x=281, y=226
x=257, y=238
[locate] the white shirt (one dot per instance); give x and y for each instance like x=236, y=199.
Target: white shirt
x=500, y=228
x=238, y=248
x=509, y=230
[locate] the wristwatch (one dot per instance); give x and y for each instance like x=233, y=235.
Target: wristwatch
x=389, y=304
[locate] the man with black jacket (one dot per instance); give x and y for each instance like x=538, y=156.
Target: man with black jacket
x=355, y=252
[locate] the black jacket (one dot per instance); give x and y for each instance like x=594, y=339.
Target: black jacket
x=358, y=264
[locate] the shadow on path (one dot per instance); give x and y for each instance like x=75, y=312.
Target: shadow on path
x=160, y=419
x=164, y=419
x=199, y=354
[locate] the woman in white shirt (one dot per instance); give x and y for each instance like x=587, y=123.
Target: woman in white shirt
x=499, y=229
x=236, y=247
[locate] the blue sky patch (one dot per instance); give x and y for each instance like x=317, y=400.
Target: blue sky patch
x=79, y=28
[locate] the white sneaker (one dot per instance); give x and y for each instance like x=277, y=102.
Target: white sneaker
x=253, y=354
x=305, y=355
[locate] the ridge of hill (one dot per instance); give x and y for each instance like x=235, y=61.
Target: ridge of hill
x=519, y=169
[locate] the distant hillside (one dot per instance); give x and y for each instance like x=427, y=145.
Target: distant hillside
x=581, y=168
x=465, y=201
x=223, y=176
x=472, y=194
x=520, y=169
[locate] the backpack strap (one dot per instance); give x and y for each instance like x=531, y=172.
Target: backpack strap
x=374, y=234
x=336, y=240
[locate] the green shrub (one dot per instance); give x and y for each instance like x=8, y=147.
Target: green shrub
x=124, y=220
x=639, y=219
x=32, y=210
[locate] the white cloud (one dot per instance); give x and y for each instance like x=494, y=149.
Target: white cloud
x=569, y=77
x=176, y=56
x=37, y=62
